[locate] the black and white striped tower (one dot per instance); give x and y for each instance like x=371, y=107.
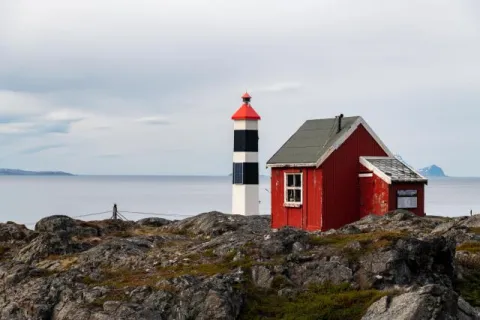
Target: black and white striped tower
x=245, y=193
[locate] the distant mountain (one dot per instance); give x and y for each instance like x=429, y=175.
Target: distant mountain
x=432, y=171
x=18, y=172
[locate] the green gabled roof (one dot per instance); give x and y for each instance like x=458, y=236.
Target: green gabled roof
x=311, y=141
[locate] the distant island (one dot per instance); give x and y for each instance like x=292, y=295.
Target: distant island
x=432, y=171
x=18, y=172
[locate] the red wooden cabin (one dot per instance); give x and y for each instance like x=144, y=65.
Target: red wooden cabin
x=335, y=171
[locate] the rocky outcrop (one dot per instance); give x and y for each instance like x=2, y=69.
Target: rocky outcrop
x=218, y=266
x=426, y=303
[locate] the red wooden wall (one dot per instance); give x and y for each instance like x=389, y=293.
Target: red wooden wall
x=308, y=215
x=332, y=194
x=374, y=196
x=420, y=187
x=341, y=190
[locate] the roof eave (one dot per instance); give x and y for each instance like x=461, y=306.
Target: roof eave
x=379, y=173
x=290, y=165
x=424, y=181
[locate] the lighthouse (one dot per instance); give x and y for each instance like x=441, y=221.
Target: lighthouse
x=245, y=195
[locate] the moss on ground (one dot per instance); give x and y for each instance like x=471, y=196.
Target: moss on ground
x=469, y=287
x=470, y=246
x=319, y=302
x=377, y=239
x=130, y=278
x=474, y=230
x=369, y=242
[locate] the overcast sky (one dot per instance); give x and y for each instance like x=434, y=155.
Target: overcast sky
x=148, y=87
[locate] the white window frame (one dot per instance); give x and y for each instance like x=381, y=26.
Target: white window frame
x=286, y=188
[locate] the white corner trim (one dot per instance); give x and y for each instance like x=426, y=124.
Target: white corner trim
x=365, y=175
x=347, y=134
x=375, y=170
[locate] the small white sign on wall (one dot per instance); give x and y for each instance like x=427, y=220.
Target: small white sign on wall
x=406, y=199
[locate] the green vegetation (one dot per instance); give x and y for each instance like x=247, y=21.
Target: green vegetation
x=379, y=238
x=470, y=246
x=130, y=278
x=368, y=241
x=319, y=302
x=474, y=230
x=469, y=288
x=209, y=253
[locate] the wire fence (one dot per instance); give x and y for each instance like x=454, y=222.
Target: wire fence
x=115, y=214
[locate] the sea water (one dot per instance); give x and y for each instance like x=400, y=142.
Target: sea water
x=26, y=199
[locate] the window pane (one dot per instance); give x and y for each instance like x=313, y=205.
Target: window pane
x=289, y=180
x=290, y=195
x=238, y=173
x=298, y=195
x=298, y=180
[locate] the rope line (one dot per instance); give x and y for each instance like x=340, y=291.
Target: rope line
x=157, y=214
x=121, y=216
x=91, y=214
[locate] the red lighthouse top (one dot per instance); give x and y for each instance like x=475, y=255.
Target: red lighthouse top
x=246, y=112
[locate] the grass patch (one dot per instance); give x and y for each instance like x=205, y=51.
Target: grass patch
x=332, y=302
x=209, y=253
x=369, y=241
x=470, y=246
x=122, y=234
x=475, y=230
x=66, y=261
x=469, y=288
x=130, y=278
x=379, y=239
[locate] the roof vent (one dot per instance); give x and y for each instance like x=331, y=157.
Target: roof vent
x=340, y=117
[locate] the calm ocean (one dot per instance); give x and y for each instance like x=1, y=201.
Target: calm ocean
x=26, y=199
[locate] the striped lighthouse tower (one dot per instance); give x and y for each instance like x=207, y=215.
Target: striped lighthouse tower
x=245, y=196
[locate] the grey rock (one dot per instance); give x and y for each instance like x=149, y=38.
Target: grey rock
x=12, y=232
x=153, y=222
x=444, y=227
x=262, y=276
x=216, y=223
x=112, y=269
x=65, y=224
x=48, y=244
x=317, y=272
x=431, y=302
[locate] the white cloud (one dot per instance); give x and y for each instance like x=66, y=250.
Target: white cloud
x=153, y=120
x=280, y=87
x=119, y=65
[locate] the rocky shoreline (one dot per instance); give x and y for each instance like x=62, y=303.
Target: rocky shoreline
x=219, y=266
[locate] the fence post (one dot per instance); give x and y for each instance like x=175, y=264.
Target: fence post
x=115, y=212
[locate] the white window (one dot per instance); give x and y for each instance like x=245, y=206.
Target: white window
x=293, y=189
x=407, y=199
